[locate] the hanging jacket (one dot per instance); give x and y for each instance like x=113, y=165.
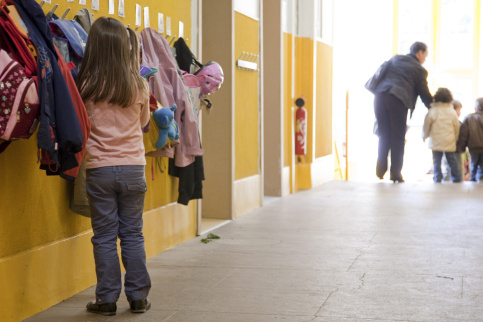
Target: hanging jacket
x=85, y=18
x=81, y=113
x=169, y=89
x=190, y=185
x=59, y=136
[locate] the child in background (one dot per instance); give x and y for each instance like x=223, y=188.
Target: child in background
x=465, y=156
x=471, y=136
x=444, y=164
x=442, y=127
x=117, y=102
x=457, y=107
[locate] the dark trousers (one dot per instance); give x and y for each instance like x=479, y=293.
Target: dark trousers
x=391, y=115
x=476, y=166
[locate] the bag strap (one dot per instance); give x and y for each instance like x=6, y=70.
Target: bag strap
x=200, y=65
x=4, y=3
x=17, y=44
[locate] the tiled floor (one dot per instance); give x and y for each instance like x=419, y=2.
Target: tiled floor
x=342, y=252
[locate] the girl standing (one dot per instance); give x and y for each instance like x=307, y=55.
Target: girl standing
x=117, y=102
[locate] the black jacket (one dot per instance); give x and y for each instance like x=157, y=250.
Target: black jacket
x=406, y=79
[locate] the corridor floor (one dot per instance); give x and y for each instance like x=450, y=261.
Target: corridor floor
x=345, y=251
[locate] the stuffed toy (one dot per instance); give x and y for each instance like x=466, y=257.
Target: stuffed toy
x=147, y=72
x=168, y=128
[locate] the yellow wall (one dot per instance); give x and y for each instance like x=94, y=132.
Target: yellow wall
x=45, y=249
x=323, y=113
x=35, y=207
x=304, y=86
x=163, y=189
x=179, y=10
x=313, y=82
x=246, y=101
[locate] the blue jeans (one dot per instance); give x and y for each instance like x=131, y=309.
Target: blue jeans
x=116, y=196
x=446, y=168
x=453, y=163
x=476, y=162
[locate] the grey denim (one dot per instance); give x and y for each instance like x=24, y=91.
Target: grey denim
x=116, y=196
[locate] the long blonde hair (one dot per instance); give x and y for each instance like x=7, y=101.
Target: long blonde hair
x=110, y=68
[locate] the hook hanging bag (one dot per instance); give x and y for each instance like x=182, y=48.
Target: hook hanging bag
x=14, y=38
x=19, y=99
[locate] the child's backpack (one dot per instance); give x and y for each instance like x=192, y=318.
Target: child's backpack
x=14, y=39
x=19, y=99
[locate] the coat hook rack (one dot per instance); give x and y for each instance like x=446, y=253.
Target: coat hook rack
x=248, y=61
x=51, y=12
x=65, y=13
x=136, y=28
x=167, y=36
x=172, y=40
x=42, y=3
x=128, y=25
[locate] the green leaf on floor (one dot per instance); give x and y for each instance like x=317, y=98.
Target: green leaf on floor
x=209, y=238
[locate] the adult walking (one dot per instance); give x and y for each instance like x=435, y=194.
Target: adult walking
x=396, y=86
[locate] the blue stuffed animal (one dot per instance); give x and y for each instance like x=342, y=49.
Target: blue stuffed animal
x=168, y=128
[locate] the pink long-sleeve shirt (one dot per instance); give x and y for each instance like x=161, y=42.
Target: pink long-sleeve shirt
x=116, y=136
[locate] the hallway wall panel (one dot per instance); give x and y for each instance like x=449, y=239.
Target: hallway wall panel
x=323, y=90
x=247, y=124
x=288, y=98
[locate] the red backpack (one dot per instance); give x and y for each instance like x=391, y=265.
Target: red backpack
x=19, y=100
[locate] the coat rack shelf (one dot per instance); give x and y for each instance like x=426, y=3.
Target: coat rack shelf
x=248, y=61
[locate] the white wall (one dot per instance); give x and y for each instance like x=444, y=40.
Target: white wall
x=194, y=28
x=288, y=11
x=250, y=8
x=306, y=26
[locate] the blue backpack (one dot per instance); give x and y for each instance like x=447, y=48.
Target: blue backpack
x=70, y=38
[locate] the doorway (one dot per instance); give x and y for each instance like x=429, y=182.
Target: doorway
x=450, y=28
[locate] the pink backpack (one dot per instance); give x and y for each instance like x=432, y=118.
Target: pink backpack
x=19, y=100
